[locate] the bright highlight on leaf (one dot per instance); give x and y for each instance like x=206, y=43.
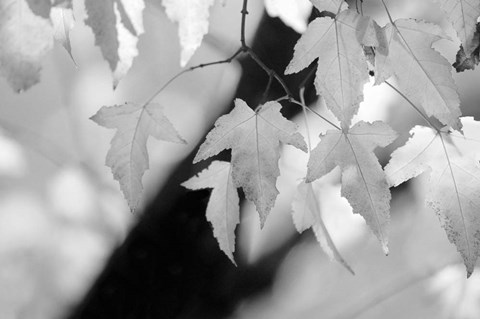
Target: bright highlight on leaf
x=128, y=155
x=451, y=160
x=463, y=15
x=364, y=184
x=307, y=214
x=293, y=13
x=192, y=18
x=342, y=67
x=332, y=6
x=424, y=76
x=23, y=42
x=223, y=208
x=117, y=24
x=255, y=139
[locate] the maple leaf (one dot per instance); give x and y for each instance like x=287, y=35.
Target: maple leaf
x=254, y=138
x=128, y=155
x=463, y=15
x=192, y=18
x=116, y=24
x=63, y=21
x=424, y=76
x=223, y=208
x=342, y=69
x=307, y=214
x=454, y=178
x=24, y=42
x=294, y=13
x=364, y=183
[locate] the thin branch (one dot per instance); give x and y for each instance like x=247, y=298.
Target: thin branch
x=269, y=71
x=267, y=89
x=190, y=69
x=244, y=18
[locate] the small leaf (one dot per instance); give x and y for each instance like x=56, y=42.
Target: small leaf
x=364, y=183
x=223, y=208
x=306, y=214
x=342, y=68
x=451, y=160
x=63, y=21
x=128, y=155
x=117, y=24
x=424, y=76
x=192, y=18
x=254, y=138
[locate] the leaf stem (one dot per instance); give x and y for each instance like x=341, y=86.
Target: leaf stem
x=315, y=112
x=414, y=106
x=190, y=69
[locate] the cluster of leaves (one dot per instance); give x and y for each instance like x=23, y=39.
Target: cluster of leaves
x=348, y=46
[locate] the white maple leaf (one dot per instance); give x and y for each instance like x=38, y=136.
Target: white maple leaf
x=306, y=213
x=451, y=160
x=463, y=15
x=128, y=155
x=254, y=138
x=192, y=18
x=63, y=21
x=342, y=68
x=25, y=38
x=364, y=184
x=424, y=76
x=116, y=24
x=294, y=13
x=223, y=209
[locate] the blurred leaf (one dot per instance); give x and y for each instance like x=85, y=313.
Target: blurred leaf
x=306, y=214
x=116, y=24
x=192, y=18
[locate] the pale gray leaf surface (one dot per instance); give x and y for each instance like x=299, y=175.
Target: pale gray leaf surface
x=364, y=184
x=192, y=18
x=223, y=208
x=128, y=155
x=307, y=213
x=116, y=24
x=342, y=67
x=463, y=14
x=255, y=139
x=23, y=42
x=424, y=76
x=451, y=161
